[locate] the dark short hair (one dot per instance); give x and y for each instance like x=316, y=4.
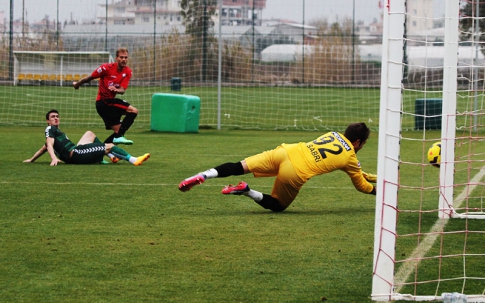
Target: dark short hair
x=121, y=50
x=50, y=112
x=356, y=131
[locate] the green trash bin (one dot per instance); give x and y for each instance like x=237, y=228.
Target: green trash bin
x=175, y=113
x=428, y=113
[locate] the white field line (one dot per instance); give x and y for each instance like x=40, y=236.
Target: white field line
x=419, y=252
x=159, y=184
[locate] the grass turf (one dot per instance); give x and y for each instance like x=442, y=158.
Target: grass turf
x=118, y=233
x=267, y=108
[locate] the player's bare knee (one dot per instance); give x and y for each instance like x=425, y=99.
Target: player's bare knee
x=132, y=110
x=108, y=147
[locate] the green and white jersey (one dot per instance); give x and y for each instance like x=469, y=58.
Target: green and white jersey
x=62, y=145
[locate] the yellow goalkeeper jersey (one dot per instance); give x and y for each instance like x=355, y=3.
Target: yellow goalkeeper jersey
x=325, y=154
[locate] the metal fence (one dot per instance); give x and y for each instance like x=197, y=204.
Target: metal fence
x=277, y=53
x=313, y=50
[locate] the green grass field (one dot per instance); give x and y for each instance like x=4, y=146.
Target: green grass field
x=118, y=233
x=262, y=108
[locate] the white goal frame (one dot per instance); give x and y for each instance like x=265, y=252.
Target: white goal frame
x=384, y=276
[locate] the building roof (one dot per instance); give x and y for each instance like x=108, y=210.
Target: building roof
x=148, y=28
x=422, y=56
x=296, y=25
x=284, y=52
x=120, y=28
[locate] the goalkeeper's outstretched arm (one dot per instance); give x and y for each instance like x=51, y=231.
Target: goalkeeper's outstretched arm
x=369, y=177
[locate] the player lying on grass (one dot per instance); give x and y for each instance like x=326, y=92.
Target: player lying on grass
x=88, y=150
x=293, y=165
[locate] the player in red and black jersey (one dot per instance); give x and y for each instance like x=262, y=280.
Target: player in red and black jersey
x=114, y=79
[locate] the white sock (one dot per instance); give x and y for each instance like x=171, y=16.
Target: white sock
x=210, y=173
x=132, y=159
x=110, y=155
x=255, y=195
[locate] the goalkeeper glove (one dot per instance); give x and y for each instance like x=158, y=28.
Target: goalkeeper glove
x=369, y=177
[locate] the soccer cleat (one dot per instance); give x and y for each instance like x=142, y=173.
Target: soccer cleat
x=141, y=159
x=239, y=189
x=114, y=159
x=103, y=162
x=122, y=140
x=188, y=183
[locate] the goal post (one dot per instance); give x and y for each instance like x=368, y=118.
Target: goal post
x=426, y=245
x=448, y=125
x=33, y=67
x=388, y=149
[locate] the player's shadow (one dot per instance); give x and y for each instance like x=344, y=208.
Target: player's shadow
x=288, y=212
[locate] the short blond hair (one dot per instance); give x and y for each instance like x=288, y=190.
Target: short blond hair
x=121, y=50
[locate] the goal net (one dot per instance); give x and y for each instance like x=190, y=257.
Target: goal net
x=37, y=74
x=428, y=241
x=314, y=73
x=50, y=67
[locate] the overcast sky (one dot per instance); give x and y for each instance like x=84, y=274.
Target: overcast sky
x=83, y=10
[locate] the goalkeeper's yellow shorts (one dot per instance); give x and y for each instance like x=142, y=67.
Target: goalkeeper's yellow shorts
x=276, y=162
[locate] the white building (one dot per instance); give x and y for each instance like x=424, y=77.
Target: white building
x=421, y=57
x=129, y=12
x=419, y=17
x=167, y=12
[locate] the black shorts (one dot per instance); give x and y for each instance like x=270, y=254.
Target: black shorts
x=111, y=110
x=88, y=153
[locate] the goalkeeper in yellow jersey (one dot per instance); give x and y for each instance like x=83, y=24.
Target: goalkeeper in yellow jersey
x=295, y=164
